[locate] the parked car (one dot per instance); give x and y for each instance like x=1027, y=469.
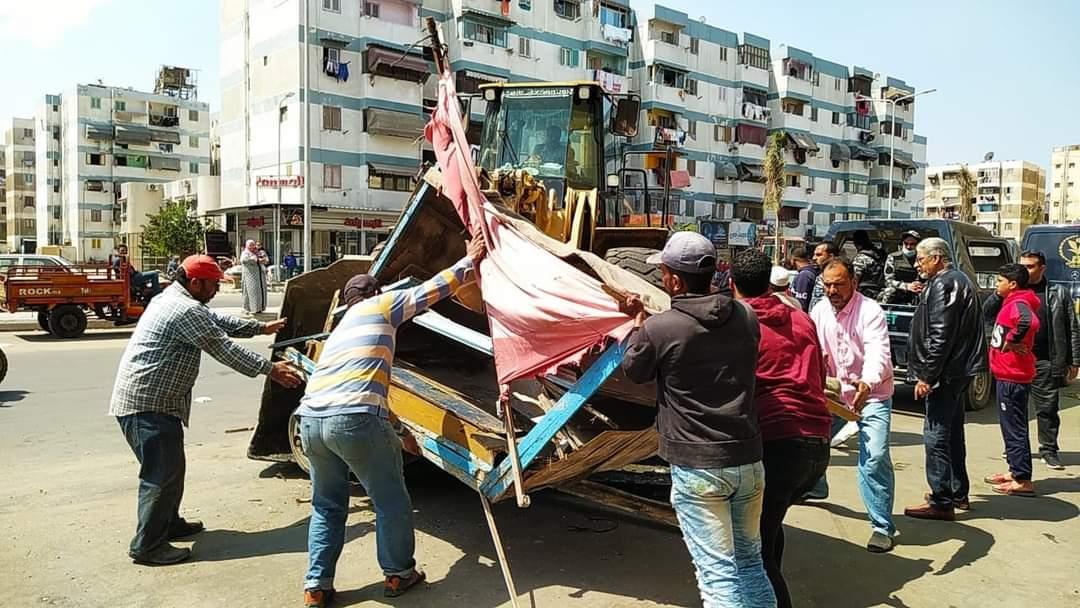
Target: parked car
x=976, y=252
x=8, y=260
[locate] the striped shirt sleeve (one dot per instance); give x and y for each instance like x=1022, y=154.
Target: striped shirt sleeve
x=405, y=304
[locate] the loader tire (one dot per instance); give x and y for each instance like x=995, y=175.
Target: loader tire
x=633, y=259
x=67, y=321
x=43, y=320
x=3, y=366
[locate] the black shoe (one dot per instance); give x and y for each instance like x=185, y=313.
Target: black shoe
x=164, y=555
x=1052, y=462
x=182, y=528
x=879, y=543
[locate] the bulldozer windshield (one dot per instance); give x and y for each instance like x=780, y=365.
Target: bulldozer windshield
x=544, y=130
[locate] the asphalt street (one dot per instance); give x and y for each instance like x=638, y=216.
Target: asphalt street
x=67, y=511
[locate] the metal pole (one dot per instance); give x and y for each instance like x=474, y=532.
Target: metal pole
x=277, y=208
x=305, y=48
x=892, y=141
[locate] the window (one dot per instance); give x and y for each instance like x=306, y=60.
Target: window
x=193, y=167
x=569, y=57
x=389, y=181
x=1057, y=184
x=193, y=115
x=834, y=186
x=266, y=60
x=193, y=141
x=669, y=78
x=691, y=129
x=1057, y=166
x=750, y=134
x=371, y=9
x=694, y=46
x=29, y=179
x=28, y=201
x=610, y=15
x=858, y=186
x=723, y=53
x=691, y=86
x=836, y=116
x=567, y=9
x=813, y=114
x=95, y=159
x=487, y=34
x=331, y=5
x=526, y=5
x=524, y=46
x=95, y=104
x=95, y=185
x=95, y=243
x=56, y=133
x=1072, y=165
x=331, y=118
x=56, y=213
x=754, y=56
x=691, y=167
x=56, y=189
x=331, y=176
x=792, y=179
x=836, y=84
x=95, y=215
x=668, y=37
x=722, y=133
x=120, y=105
x=28, y=132
x=723, y=93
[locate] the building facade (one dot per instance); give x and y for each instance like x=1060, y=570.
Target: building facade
x=1009, y=195
x=100, y=137
x=716, y=93
x=1064, y=186
x=139, y=200
x=19, y=208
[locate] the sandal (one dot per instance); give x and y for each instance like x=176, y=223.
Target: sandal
x=1008, y=489
x=998, y=478
x=396, y=585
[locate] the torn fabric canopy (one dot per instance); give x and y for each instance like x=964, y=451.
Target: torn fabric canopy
x=542, y=311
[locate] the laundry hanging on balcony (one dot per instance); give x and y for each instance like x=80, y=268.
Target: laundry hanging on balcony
x=343, y=72
x=618, y=35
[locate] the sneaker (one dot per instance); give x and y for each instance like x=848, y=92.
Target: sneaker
x=317, y=598
x=164, y=555
x=396, y=585
x=181, y=528
x=846, y=432
x=1053, y=462
x=879, y=543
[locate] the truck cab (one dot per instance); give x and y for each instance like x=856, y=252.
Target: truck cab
x=976, y=252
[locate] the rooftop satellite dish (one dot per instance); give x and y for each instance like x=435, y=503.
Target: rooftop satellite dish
x=989, y=156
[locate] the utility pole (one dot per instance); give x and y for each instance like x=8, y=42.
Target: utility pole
x=305, y=92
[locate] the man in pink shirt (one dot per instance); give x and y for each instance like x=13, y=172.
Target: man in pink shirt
x=855, y=337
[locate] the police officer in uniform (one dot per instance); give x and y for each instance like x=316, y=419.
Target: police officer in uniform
x=902, y=282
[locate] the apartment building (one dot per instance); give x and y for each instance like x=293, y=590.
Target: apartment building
x=99, y=137
x=3, y=192
x=1009, y=194
x=138, y=201
x=19, y=212
x=1065, y=185
x=721, y=95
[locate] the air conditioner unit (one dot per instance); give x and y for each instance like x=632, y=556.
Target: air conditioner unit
x=733, y=148
x=809, y=190
x=509, y=50
x=466, y=43
x=868, y=163
x=153, y=187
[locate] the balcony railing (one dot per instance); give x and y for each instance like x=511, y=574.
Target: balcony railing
x=612, y=83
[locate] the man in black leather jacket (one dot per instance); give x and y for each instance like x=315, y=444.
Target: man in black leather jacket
x=945, y=350
x=1057, y=352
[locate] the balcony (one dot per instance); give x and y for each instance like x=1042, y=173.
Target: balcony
x=612, y=83
x=129, y=116
x=386, y=30
x=164, y=120
x=791, y=121
x=670, y=95
x=671, y=54
x=791, y=85
x=796, y=194
x=752, y=75
x=752, y=111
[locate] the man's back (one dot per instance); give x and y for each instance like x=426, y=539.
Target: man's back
x=702, y=353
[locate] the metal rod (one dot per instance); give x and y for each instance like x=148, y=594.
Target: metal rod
x=503, y=564
x=515, y=462
x=306, y=93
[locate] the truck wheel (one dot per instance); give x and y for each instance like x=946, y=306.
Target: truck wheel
x=3, y=366
x=633, y=259
x=980, y=392
x=67, y=321
x=43, y=320
x=297, y=446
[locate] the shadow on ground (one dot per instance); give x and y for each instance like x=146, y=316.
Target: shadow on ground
x=9, y=397
x=94, y=336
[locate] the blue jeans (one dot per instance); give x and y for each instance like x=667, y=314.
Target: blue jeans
x=366, y=445
x=719, y=513
x=943, y=438
x=1012, y=416
x=157, y=440
x=877, y=482
x=140, y=279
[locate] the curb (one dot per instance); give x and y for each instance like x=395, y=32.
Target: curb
x=33, y=326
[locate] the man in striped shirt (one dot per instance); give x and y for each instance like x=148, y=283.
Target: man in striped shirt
x=344, y=426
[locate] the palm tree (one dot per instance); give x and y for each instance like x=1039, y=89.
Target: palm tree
x=967, y=195
x=774, y=185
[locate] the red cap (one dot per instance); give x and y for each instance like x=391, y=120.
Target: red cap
x=202, y=267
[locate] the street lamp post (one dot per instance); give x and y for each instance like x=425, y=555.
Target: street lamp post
x=277, y=208
x=892, y=136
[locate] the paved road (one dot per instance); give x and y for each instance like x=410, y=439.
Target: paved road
x=67, y=503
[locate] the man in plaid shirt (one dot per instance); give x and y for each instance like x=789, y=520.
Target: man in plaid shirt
x=152, y=396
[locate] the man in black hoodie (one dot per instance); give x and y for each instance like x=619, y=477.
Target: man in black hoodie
x=703, y=355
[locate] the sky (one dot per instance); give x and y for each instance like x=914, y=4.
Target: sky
x=1007, y=73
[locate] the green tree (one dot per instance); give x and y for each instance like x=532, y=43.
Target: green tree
x=967, y=194
x=774, y=186
x=173, y=231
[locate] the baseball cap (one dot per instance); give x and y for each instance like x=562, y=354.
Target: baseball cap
x=779, y=276
x=912, y=234
x=359, y=287
x=687, y=252
x=202, y=267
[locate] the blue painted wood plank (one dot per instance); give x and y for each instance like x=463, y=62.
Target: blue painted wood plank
x=499, y=480
x=403, y=224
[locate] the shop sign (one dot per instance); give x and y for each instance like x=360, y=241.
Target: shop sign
x=714, y=231
x=279, y=181
x=358, y=222
x=257, y=221
x=742, y=234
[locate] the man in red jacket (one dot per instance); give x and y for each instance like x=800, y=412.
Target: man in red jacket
x=789, y=395
x=1013, y=364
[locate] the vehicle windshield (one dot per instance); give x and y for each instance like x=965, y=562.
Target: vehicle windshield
x=888, y=239
x=545, y=131
x=1062, y=251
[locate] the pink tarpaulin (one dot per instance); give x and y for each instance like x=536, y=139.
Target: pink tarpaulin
x=542, y=311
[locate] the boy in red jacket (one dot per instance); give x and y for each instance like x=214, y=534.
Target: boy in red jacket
x=1013, y=364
